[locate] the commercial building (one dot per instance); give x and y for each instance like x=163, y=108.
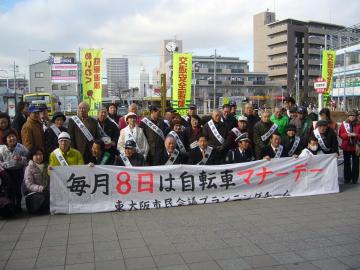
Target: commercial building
x=346, y=77
x=233, y=81
x=57, y=75
x=289, y=50
x=117, y=75
x=144, y=82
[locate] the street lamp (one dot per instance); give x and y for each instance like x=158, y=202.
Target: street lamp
x=194, y=66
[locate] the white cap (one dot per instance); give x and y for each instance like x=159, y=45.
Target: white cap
x=64, y=136
x=130, y=114
x=242, y=118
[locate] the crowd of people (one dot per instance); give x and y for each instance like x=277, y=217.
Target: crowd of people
x=33, y=144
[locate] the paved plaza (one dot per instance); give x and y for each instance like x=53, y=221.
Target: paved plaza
x=317, y=232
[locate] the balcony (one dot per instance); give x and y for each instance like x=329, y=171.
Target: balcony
x=317, y=40
x=237, y=82
x=314, y=62
x=314, y=51
x=277, y=29
x=313, y=72
x=276, y=40
x=277, y=61
x=317, y=30
x=277, y=50
x=278, y=72
x=258, y=82
x=239, y=70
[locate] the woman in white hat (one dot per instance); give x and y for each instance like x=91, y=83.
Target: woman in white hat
x=133, y=132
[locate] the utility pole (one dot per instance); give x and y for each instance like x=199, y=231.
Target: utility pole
x=215, y=80
x=14, y=78
x=297, y=80
x=345, y=101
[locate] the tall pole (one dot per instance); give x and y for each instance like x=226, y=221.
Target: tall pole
x=320, y=95
x=345, y=105
x=14, y=78
x=215, y=80
x=297, y=80
x=194, y=82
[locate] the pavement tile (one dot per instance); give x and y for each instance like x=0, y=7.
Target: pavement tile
x=132, y=243
x=287, y=257
x=82, y=247
x=249, y=250
x=210, y=265
x=80, y=266
x=54, y=260
x=136, y=252
x=108, y=255
x=168, y=260
x=301, y=266
x=233, y=264
x=111, y=265
x=175, y=267
x=196, y=256
x=188, y=246
x=273, y=247
x=20, y=264
x=351, y=261
x=79, y=257
x=162, y=249
x=139, y=263
x=30, y=253
x=222, y=254
x=330, y=264
x=261, y=261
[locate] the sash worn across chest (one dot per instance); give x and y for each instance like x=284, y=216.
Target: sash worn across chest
x=178, y=141
x=279, y=151
x=194, y=144
x=208, y=152
x=112, y=120
x=56, y=130
x=294, y=146
x=269, y=132
x=172, y=157
x=236, y=132
x=347, y=127
x=60, y=157
x=125, y=160
x=216, y=132
x=153, y=127
x=83, y=128
x=321, y=141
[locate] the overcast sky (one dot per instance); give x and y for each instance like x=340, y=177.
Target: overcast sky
x=135, y=28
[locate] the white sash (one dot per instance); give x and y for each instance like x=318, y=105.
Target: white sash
x=269, y=132
x=131, y=137
x=112, y=120
x=307, y=152
x=320, y=140
x=178, y=141
x=172, y=157
x=294, y=146
x=56, y=130
x=347, y=127
x=207, y=155
x=167, y=122
x=216, y=132
x=60, y=157
x=279, y=151
x=194, y=144
x=125, y=160
x=83, y=128
x=186, y=118
x=153, y=127
x=236, y=132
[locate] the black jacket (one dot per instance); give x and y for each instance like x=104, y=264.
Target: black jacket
x=51, y=141
x=331, y=141
x=251, y=121
x=195, y=156
x=212, y=141
x=234, y=156
x=163, y=157
x=230, y=121
x=288, y=143
x=268, y=151
x=18, y=122
x=108, y=160
x=137, y=160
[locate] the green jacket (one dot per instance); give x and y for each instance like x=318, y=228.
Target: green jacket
x=281, y=123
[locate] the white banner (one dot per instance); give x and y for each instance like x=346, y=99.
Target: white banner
x=84, y=189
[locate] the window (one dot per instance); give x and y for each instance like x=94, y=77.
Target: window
x=64, y=87
x=55, y=87
x=39, y=89
x=39, y=74
x=56, y=73
x=73, y=73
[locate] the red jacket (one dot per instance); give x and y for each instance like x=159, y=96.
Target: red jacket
x=123, y=124
x=346, y=145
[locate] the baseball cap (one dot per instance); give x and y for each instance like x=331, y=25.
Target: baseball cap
x=64, y=136
x=242, y=118
x=130, y=144
x=34, y=108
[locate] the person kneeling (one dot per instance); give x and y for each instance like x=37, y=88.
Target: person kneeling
x=203, y=154
x=65, y=155
x=130, y=158
x=312, y=148
x=275, y=149
x=242, y=153
x=170, y=155
x=99, y=156
x=36, y=180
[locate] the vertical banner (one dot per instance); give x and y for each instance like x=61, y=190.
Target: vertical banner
x=328, y=64
x=91, y=61
x=182, y=71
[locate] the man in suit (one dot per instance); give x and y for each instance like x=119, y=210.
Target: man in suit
x=83, y=131
x=130, y=157
x=203, y=154
x=170, y=155
x=243, y=152
x=274, y=149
